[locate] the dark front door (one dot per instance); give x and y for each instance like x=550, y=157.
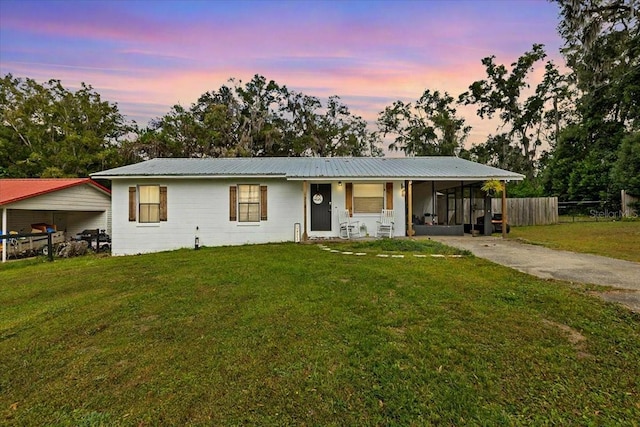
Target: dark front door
x=320, y=207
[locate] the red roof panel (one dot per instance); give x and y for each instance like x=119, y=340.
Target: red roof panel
x=13, y=190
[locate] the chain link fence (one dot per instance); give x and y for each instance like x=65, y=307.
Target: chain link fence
x=593, y=211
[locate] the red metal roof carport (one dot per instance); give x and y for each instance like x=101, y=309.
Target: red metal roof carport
x=18, y=189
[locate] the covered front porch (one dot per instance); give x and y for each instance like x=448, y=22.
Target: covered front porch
x=327, y=202
x=446, y=208
x=419, y=207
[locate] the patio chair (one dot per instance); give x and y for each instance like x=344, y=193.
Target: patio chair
x=385, y=225
x=348, y=228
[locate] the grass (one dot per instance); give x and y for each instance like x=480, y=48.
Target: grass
x=620, y=239
x=293, y=335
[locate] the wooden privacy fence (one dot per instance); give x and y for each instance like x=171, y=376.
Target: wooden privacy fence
x=529, y=211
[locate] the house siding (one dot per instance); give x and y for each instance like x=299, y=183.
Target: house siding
x=77, y=198
x=203, y=203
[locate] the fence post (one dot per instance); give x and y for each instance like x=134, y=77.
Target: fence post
x=50, y=246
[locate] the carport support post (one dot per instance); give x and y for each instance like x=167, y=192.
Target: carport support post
x=504, y=209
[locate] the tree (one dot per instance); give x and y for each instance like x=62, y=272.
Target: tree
x=25, y=113
x=626, y=170
x=568, y=152
x=176, y=134
x=428, y=127
x=339, y=133
x=602, y=47
x=301, y=124
x=207, y=129
x=497, y=152
x=48, y=131
x=525, y=118
x=260, y=126
x=258, y=119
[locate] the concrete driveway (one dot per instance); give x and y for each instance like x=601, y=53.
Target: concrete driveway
x=546, y=263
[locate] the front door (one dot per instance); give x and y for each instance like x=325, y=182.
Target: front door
x=320, y=207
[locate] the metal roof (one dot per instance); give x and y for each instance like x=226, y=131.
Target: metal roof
x=314, y=168
x=16, y=189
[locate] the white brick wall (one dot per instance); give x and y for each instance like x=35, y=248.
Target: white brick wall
x=204, y=203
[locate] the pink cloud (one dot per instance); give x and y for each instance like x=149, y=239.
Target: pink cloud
x=365, y=90
x=148, y=60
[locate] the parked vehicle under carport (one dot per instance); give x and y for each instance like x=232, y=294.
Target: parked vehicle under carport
x=98, y=240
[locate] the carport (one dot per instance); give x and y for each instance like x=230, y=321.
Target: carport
x=70, y=204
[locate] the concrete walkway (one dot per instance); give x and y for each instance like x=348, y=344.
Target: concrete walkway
x=546, y=263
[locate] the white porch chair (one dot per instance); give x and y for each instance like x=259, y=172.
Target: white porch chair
x=385, y=225
x=348, y=228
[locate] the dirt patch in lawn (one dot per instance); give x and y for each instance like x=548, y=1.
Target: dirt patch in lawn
x=573, y=336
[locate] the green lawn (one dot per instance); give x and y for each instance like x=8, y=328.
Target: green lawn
x=293, y=335
x=620, y=239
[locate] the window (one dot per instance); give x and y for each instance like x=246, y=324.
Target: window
x=248, y=203
x=148, y=203
x=368, y=198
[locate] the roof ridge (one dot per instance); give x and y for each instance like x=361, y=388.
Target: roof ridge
x=42, y=179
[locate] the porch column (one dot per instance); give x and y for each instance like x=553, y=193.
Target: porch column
x=471, y=201
x=434, y=194
x=5, y=231
x=305, y=235
x=504, y=209
x=487, y=215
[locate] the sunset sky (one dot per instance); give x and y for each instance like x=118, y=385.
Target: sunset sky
x=150, y=55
